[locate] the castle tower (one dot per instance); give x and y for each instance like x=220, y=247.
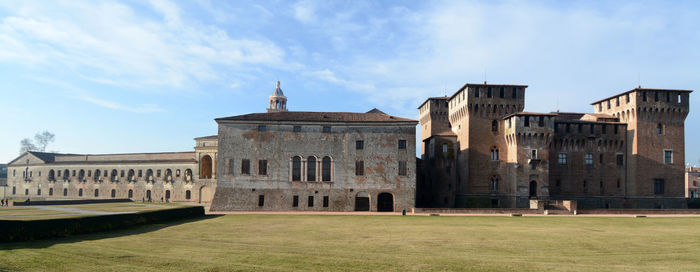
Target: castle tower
x=656, y=128
x=278, y=102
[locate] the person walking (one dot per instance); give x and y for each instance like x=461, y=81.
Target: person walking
x=2, y=203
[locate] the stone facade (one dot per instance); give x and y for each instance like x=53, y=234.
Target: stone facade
x=692, y=182
x=316, y=161
x=171, y=176
x=629, y=153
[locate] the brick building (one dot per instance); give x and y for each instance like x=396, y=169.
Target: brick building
x=480, y=149
x=319, y=161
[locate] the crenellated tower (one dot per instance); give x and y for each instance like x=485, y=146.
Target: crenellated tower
x=656, y=138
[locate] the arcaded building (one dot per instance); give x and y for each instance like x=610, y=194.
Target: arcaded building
x=315, y=161
x=480, y=149
x=168, y=176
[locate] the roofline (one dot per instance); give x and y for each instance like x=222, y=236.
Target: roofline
x=223, y=120
x=529, y=114
x=26, y=152
x=69, y=154
x=182, y=161
x=203, y=137
x=429, y=98
x=484, y=84
x=641, y=89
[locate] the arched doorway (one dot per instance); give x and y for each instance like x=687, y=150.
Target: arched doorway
x=362, y=202
x=205, y=167
x=533, y=189
x=205, y=194
x=385, y=202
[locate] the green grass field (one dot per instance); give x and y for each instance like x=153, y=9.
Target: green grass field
x=35, y=213
x=355, y=242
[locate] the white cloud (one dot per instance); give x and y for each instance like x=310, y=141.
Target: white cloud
x=144, y=108
x=305, y=11
x=110, y=42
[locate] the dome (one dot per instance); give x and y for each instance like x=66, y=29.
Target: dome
x=278, y=90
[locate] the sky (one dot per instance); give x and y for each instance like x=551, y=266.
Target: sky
x=149, y=76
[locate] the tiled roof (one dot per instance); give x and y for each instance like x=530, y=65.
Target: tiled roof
x=317, y=117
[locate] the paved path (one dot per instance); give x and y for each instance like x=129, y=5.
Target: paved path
x=76, y=210
x=450, y=214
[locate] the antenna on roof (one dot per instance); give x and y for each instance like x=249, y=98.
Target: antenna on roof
x=484, y=75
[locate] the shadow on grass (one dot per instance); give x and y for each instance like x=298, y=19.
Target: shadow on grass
x=127, y=231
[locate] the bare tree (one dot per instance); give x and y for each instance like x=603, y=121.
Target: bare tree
x=42, y=139
x=26, y=145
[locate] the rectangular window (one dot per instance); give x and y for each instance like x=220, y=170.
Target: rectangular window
x=589, y=158
x=579, y=127
x=620, y=158
x=359, y=145
x=359, y=168
x=644, y=96
x=627, y=96
x=615, y=129
x=403, y=168
x=245, y=167
x=158, y=173
x=562, y=158
x=402, y=144
x=592, y=128
x=295, y=201
x=540, y=121
x=509, y=126
x=262, y=127
x=668, y=156
x=140, y=173
x=488, y=92
x=325, y=201
x=74, y=173
x=326, y=129
x=604, y=128
x=261, y=200
x=311, y=201
x=533, y=154
x=617, y=102
x=122, y=173
x=297, y=128
x=568, y=128
x=476, y=92
x=515, y=93
x=502, y=94
x=658, y=186
x=600, y=158
x=656, y=96
x=609, y=103
x=14, y=190
x=262, y=167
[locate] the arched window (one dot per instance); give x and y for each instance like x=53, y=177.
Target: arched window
x=97, y=174
x=494, y=184
x=81, y=175
x=494, y=153
x=177, y=173
x=188, y=175
x=168, y=175
x=130, y=175
x=494, y=126
x=188, y=194
x=149, y=175
x=66, y=174
x=52, y=175
x=311, y=169
x=205, y=167
x=326, y=168
x=660, y=129
x=131, y=193
x=113, y=175
x=296, y=168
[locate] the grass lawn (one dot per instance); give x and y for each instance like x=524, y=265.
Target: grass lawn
x=355, y=242
x=34, y=213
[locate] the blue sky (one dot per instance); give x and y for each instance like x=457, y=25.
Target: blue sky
x=148, y=76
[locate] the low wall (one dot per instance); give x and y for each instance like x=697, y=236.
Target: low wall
x=70, y=202
x=476, y=211
x=16, y=231
x=638, y=211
